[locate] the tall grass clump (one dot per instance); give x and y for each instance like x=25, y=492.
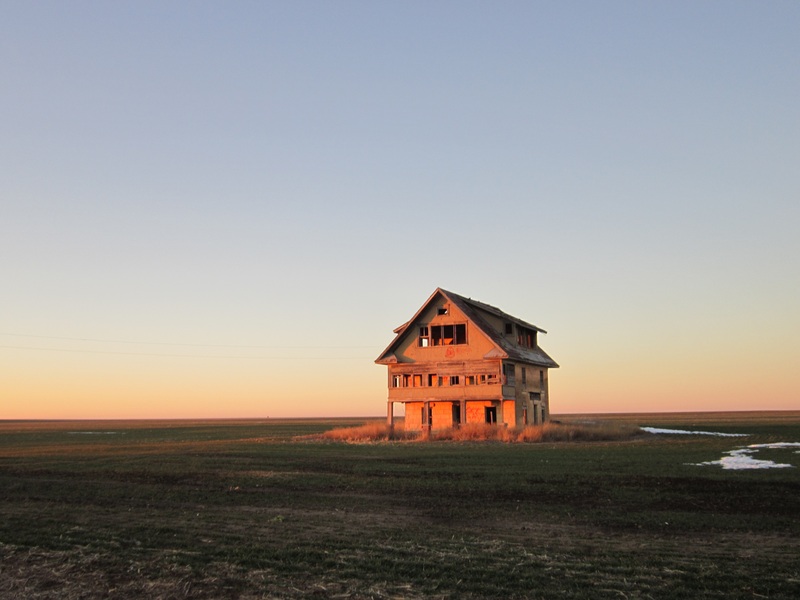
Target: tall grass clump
x=368, y=432
x=468, y=432
x=548, y=432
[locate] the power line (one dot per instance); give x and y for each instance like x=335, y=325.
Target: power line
x=331, y=357
x=106, y=341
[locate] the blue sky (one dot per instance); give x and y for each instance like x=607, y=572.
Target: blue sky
x=202, y=202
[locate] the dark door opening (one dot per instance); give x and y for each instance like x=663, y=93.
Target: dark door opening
x=490, y=412
x=456, y=415
x=427, y=420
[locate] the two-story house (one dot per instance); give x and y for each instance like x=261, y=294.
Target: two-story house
x=458, y=361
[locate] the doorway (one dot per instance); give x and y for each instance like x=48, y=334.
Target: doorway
x=456, y=414
x=490, y=413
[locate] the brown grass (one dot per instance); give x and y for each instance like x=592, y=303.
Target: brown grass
x=368, y=432
x=549, y=432
x=473, y=432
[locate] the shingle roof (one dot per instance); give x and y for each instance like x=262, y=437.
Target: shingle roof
x=472, y=308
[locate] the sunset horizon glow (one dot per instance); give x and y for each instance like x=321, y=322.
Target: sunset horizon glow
x=223, y=210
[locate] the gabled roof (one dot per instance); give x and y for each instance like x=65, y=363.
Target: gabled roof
x=472, y=309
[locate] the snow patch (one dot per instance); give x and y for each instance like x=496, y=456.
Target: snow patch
x=684, y=432
x=741, y=458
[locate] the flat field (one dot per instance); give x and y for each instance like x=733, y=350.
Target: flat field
x=249, y=509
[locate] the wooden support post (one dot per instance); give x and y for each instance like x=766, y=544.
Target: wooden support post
x=390, y=415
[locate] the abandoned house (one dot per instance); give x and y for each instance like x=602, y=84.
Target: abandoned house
x=462, y=361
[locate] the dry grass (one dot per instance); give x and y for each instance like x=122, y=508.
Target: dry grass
x=369, y=432
x=549, y=432
x=474, y=432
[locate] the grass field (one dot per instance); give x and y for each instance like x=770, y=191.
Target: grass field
x=258, y=509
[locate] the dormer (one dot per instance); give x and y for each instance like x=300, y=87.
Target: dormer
x=526, y=337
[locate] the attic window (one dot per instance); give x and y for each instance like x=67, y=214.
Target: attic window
x=509, y=329
x=448, y=335
x=526, y=337
x=424, y=339
x=442, y=310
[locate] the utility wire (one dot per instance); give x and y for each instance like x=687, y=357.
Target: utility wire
x=81, y=339
x=331, y=357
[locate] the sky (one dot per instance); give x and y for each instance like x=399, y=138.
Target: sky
x=223, y=209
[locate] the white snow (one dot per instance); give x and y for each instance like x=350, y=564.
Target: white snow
x=741, y=458
x=685, y=432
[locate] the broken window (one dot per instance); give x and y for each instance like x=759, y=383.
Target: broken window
x=396, y=381
x=442, y=310
x=509, y=329
x=431, y=380
x=526, y=337
x=406, y=379
x=448, y=335
x=424, y=338
x=469, y=380
x=508, y=374
x=524, y=376
x=487, y=378
x=417, y=381
x=454, y=380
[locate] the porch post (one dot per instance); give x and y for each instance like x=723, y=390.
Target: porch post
x=426, y=416
x=463, y=412
x=390, y=415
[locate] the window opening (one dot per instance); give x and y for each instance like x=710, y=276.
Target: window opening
x=490, y=414
x=454, y=380
x=526, y=337
x=448, y=335
x=424, y=337
x=508, y=373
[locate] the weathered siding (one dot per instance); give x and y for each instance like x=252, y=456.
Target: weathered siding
x=456, y=370
x=475, y=349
